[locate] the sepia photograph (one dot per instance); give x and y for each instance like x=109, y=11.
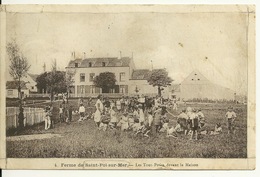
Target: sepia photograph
x=128, y=86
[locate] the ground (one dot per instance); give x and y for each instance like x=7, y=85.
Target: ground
x=84, y=140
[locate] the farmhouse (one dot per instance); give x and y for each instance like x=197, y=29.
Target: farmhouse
x=129, y=80
x=198, y=86
x=12, y=89
x=30, y=79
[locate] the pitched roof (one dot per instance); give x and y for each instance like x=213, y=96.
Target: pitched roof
x=175, y=88
x=98, y=62
x=140, y=74
x=195, y=77
x=14, y=85
x=33, y=76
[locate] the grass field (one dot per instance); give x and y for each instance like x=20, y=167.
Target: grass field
x=84, y=140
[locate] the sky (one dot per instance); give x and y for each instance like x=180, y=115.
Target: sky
x=215, y=44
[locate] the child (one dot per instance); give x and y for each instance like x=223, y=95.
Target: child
x=165, y=124
x=105, y=119
x=113, y=117
x=230, y=116
x=194, y=125
x=118, y=104
x=70, y=113
x=150, y=118
x=201, y=117
x=136, y=125
x=47, y=118
x=189, y=113
x=123, y=123
x=141, y=114
x=99, y=110
x=131, y=121
x=217, y=130
x=81, y=112
x=61, y=113
x=157, y=119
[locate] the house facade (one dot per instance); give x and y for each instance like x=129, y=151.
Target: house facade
x=195, y=85
x=129, y=80
x=30, y=80
x=12, y=89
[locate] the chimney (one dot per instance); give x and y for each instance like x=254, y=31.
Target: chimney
x=120, y=54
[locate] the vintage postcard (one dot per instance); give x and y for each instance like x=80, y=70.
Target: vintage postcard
x=127, y=87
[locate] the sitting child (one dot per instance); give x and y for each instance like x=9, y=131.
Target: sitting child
x=136, y=126
x=131, y=121
x=123, y=123
x=217, y=130
x=105, y=119
x=165, y=124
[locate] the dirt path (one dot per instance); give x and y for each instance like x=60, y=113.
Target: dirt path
x=32, y=137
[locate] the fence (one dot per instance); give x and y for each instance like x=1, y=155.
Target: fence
x=111, y=95
x=43, y=95
x=32, y=116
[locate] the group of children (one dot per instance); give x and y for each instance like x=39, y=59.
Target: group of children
x=142, y=118
x=144, y=115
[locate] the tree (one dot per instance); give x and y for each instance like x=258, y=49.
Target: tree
x=18, y=68
x=159, y=78
x=105, y=80
x=55, y=82
x=69, y=79
x=41, y=83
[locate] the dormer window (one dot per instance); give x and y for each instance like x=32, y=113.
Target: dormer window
x=89, y=64
x=103, y=64
x=76, y=65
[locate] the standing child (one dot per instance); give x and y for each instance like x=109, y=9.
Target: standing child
x=141, y=114
x=194, y=124
x=47, y=118
x=182, y=120
x=201, y=117
x=113, y=118
x=118, y=104
x=150, y=118
x=157, y=119
x=61, y=113
x=99, y=110
x=230, y=116
x=81, y=112
x=70, y=113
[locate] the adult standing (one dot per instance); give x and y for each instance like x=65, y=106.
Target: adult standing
x=99, y=110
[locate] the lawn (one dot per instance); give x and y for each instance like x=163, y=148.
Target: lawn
x=84, y=140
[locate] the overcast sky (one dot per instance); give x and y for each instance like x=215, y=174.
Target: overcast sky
x=213, y=43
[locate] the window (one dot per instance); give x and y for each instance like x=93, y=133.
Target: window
x=91, y=77
x=32, y=87
x=82, y=77
x=89, y=64
x=192, y=79
x=76, y=65
x=9, y=92
x=103, y=64
x=122, y=89
x=198, y=79
x=195, y=74
x=122, y=77
x=92, y=89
